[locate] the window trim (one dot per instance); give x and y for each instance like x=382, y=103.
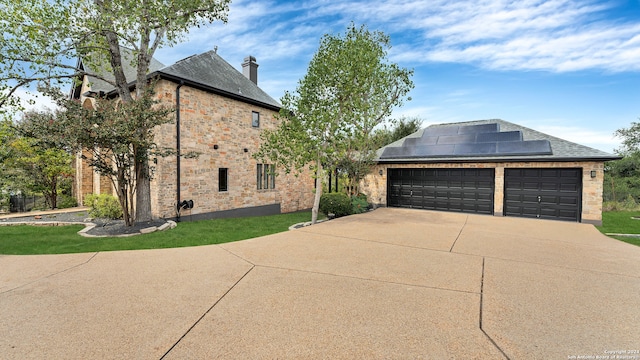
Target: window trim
x=255, y=119
x=221, y=172
x=259, y=176
x=265, y=176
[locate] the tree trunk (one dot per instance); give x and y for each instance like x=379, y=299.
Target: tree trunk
x=143, y=190
x=316, y=200
x=54, y=194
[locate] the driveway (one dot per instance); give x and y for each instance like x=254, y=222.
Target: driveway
x=392, y=283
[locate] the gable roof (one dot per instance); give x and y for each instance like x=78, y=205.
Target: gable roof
x=485, y=141
x=210, y=72
x=207, y=71
x=99, y=85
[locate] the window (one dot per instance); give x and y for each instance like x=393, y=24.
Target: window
x=223, y=179
x=255, y=119
x=266, y=176
x=259, y=176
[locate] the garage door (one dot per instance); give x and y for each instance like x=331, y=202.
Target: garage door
x=461, y=190
x=543, y=193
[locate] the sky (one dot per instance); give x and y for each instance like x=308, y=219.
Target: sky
x=567, y=68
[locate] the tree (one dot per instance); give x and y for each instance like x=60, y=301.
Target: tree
x=43, y=38
x=44, y=168
x=30, y=160
x=350, y=88
x=630, y=139
x=110, y=133
x=622, y=177
x=360, y=154
x=402, y=127
x=7, y=152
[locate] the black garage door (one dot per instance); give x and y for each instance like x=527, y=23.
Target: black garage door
x=461, y=190
x=543, y=193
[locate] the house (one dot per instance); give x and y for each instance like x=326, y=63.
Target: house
x=220, y=114
x=491, y=167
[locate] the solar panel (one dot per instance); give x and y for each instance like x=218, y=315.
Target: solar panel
x=457, y=139
x=484, y=140
x=475, y=129
x=411, y=141
x=444, y=130
x=532, y=147
x=475, y=149
x=499, y=136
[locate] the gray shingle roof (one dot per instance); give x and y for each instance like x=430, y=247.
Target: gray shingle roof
x=98, y=85
x=209, y=71
x=561, y=150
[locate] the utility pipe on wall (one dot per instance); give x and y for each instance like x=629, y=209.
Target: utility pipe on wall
x=178, y=148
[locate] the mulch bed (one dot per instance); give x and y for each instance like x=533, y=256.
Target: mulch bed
x=104, y=227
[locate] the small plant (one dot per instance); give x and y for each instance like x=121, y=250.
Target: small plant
x=359, y=204
x=4, y=202
x=629, y=203
x=338, y=204
x=66, y=201
x=103, y=206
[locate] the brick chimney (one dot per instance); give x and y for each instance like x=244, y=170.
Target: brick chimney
x=250, y=69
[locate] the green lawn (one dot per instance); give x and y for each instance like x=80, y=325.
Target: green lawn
x=621, y=222
x=29, y=240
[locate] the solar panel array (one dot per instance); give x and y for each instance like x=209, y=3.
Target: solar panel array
x=467, y=141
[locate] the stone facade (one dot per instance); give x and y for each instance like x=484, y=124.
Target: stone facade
x=219, y=129
x=375, y=185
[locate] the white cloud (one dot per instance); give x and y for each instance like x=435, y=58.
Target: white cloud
x=601, y=140
x=556, y=35
x=549, y=35
x=35, y=101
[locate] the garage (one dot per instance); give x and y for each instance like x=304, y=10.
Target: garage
x=543, y=193
x=490, y=167
x=461, y=190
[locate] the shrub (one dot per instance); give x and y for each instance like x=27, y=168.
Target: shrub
x=338, y=204
x=66, y=201
x=103, y=206
x=611, y=206
x=359, y=204
x=630, y=203
x=4, y=202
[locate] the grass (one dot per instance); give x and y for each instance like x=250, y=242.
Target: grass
x=31, y=240
x=621, y=222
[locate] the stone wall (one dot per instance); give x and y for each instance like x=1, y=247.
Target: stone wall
x=220, y=131
x=375, y=185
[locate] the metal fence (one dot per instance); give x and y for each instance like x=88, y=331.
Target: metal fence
x=24, y=203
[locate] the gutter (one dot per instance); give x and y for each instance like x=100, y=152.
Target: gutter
x=178, y=148
x=160, y=75
x=211, y=89
x=485, y=160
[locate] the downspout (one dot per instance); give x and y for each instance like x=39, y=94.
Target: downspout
x=178, y=148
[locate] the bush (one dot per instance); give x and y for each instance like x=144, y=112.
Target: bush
x=66, y=201
x=103, y=206
x=359, y=204
x=630, y=203
x=4, y=202
x=338, y=204
x=611, y=206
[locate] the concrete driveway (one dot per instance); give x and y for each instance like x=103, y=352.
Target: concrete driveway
x=388, y=284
